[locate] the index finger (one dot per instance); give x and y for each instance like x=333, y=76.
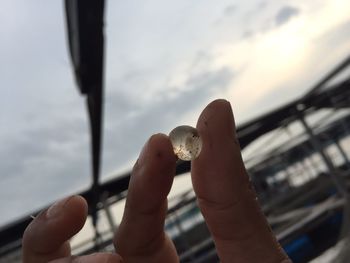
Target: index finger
x=140, y=236
x=225, y=195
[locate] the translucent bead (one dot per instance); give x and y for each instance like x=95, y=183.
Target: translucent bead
x=186, y=142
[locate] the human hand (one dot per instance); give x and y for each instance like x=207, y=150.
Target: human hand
x=224, y=193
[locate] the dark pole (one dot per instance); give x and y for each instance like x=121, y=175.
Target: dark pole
x=317, y=145
x=86, y=45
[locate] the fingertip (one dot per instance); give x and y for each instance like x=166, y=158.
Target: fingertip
x=155, y=168
x=217, y=118
x=78, y=206
x=157, y=157
x=218, y=106
x=52, y=227
x=219, y=103
x=161, y=147
x=72, y=210
x=162, y=141
x=73, y=204
x=216, y=126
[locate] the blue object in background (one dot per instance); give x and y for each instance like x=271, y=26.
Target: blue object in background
x=299, y=249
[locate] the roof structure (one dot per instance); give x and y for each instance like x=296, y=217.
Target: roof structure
x=86, y=45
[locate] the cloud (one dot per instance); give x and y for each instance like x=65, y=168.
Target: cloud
x=285, y=14
x=336, y=36
x=262, y=5
x=51, y=157
x=42, y=162
x=263, y=23
x=230, y=10
x=45, y=150
x=124, y=139
x=247, y=34
x=332, y=46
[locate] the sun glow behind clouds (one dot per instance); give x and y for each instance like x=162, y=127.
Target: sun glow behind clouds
x=285, y=57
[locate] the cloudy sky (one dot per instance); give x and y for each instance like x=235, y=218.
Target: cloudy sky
x=165, y=60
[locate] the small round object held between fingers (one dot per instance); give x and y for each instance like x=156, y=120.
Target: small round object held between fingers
x=186, y=142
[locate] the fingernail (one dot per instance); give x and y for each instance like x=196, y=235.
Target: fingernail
x=57, y=208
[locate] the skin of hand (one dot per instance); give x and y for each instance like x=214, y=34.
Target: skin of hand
x=224, y=193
